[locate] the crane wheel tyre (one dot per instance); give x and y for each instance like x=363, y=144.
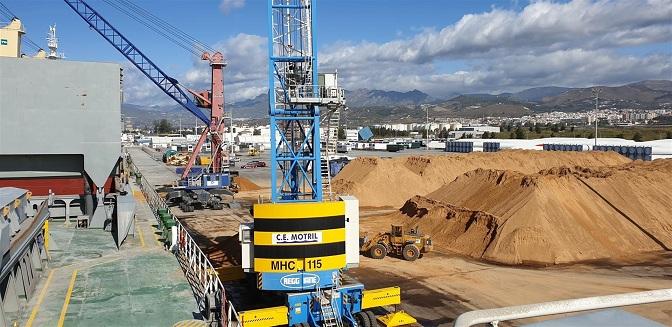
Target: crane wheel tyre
x=372, y=318
x=411, y=252
x=362, y=319
x=378, y=251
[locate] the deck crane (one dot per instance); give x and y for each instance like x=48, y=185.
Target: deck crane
x=300, y=242
x=212, y=99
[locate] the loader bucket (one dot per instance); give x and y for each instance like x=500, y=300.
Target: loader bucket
x=399, y=318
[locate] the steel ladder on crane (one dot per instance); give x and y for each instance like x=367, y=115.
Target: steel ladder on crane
x=330, y=316
x=332, y=119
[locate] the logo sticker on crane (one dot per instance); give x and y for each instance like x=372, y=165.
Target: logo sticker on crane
x=297, y=237
x=3, y=42
x=297, y=281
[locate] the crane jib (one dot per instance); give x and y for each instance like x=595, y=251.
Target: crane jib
x=167, y=84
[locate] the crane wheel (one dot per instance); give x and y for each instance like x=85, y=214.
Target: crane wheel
x=378, y=251
x=372, y=318
x=411, y=252
x=362, y=319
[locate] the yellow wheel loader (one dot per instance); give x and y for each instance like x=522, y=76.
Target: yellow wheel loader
x=406, y=245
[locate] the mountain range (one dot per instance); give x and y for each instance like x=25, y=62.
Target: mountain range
x=371, y=106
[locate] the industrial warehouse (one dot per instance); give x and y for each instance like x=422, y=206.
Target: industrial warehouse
x=312, y=215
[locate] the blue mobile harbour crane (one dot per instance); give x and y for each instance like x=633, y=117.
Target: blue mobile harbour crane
x=300, y=243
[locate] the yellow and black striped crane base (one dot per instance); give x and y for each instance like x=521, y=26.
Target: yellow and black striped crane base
x=291, y=237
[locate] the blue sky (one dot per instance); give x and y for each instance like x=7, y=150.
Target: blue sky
x=437, y=46
x=344, y=20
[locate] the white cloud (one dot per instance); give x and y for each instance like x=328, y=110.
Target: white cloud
x=575, y=43
x=138, y=89
x=572, y=67
x=539, y=27
x=226, y=6
x=546, y=43
x=244, y=77
x=246, y=73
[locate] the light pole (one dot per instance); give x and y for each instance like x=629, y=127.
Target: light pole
x=596, y=93
x=231, y=148
x=427, y=126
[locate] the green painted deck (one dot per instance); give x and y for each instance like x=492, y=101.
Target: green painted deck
x=140, y=284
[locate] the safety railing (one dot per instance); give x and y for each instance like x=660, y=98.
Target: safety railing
x=35, y=234
x=311, y=94
x=198, y=269
x=494, y=316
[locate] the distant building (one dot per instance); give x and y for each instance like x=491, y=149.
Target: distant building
x=10, y=39
x=635, y=116
x=472, y=131
x=351, y=134
x=574, y=121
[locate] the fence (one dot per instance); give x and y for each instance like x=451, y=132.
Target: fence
x=202, y=276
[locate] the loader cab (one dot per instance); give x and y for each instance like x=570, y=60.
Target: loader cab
x=397, y=230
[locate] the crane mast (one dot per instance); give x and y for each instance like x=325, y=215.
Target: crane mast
x=294, y=119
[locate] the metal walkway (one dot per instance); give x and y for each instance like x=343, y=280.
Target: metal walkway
x=91, y=283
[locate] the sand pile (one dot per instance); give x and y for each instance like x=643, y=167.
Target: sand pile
x=558, y=215
x=245, y=184
x=390, y=182
x=459, y=229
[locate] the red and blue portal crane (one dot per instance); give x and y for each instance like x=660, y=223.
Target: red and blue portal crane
x=212, y=99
